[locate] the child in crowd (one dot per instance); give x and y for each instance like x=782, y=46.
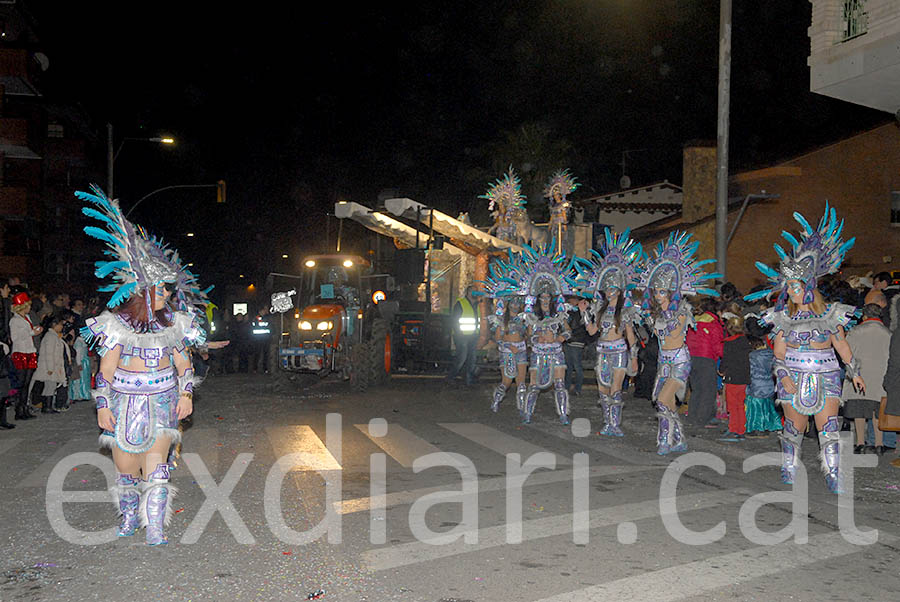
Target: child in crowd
x=762, y=416
x=735, y=369
x=51, y=370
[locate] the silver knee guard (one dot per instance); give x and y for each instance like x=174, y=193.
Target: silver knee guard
x=791, y=440
x=499, y=394
x=128, y=498
x=530, y=402
x=561, y=396
x=614, y=414
x=521, y=392
x=156, y=504
x=830, y=453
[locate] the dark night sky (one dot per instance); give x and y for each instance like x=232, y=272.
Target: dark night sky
x=298, y=107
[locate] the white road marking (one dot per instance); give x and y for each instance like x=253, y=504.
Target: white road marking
x=694, y=578
x=400, y=444
x=301, y=438
x=392, y=557
x=540, y=477
x=498, y=441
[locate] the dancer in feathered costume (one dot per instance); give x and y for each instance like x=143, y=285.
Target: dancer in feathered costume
x=145, y=383
x=557, y=191
x=508, y=326
x=506, y=201
x=808, y=332
x=672, y=274
x=544, y=277
x=607, y=280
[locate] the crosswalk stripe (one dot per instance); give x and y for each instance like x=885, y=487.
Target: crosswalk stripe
x=490, y=537
x=38, y=477
x=694, y=578
x=498, y=441
x=399, y=443
x=402, y=498
x=301, y=438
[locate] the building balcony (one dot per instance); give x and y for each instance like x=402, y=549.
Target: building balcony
x=855, y=52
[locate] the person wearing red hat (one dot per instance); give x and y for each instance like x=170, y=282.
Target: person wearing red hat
x=24, y=354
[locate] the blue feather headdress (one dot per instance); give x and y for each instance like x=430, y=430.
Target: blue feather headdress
x=618, y=265
x=819, y=252
x=675, y=268
x=531, y=273
x=138, y=262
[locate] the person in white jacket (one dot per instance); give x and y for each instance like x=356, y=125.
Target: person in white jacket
x=53, y=359
x=23, y=354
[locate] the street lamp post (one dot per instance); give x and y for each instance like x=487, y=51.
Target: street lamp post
x=111, y=156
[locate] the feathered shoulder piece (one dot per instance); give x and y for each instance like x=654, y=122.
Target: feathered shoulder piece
x=561, y=184
x=675, y=268
x=618, y=265
x=819, y=252
x=136, y=262
x=800, y=328
x=505, y=192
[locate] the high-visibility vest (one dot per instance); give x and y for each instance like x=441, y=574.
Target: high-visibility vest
x=468, y=319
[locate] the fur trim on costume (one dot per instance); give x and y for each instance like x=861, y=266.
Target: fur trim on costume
x=170, y=508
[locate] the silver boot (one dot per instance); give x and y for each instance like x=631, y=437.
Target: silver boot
x=615, y=416
x=128, y=498
x=530, y=402
x=663, y=432
x=791, y=440
x=521, y=392
x=830, y=453
x=499, y=394
x=156, y=505
x=561, y=396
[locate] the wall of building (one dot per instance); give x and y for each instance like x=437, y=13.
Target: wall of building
x=856, y=176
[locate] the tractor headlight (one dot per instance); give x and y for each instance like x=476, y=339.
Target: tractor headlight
x=324, y=326
x=304, y=325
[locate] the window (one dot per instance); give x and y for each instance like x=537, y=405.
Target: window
x=856, y=19
x=54, y=130
x=895, y=208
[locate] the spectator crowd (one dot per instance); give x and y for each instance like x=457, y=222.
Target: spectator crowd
x=45, y=366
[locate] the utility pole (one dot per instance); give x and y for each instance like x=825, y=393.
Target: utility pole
x=722, y=137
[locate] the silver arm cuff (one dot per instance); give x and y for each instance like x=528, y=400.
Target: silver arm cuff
x=186, y=382
x=101, y=391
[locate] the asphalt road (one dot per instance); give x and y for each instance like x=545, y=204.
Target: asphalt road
x=259, y=468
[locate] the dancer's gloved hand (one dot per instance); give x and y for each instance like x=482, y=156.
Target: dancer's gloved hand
x=788, y=383
x=185, y=406
x=106, y=420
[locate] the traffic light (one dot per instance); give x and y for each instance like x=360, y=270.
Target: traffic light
x=220, y=191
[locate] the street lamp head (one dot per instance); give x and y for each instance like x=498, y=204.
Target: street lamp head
x=161, y=140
